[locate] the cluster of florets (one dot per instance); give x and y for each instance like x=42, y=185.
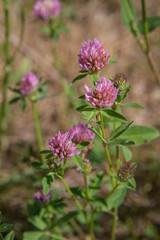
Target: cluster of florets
x=46, y=8
x=63, y=145
x=92, y=56
x=40, y=197
x=126, y=171
x=120, y=80
x=81, y=133
x=29, y=83
x=104, y=93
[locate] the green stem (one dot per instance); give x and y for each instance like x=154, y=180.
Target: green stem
x=113, y=233
x=56, y=60
x=144, y=47
x=78, y=229
x=106, y=148
x=134, y=27
x=145, y=24
x=110, y=194
x=38, y=129
x=3, y=110
x=71, y=194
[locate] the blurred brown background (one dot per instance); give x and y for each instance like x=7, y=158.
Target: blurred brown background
x=86, y=20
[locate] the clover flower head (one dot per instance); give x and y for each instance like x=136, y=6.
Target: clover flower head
x=81, y=133
x=46, y=9
x=126, y=171
x=62, y=145
x=104, y=93
x=40, y=197
x=30, y=82
x=92, y=56
x=120, y=81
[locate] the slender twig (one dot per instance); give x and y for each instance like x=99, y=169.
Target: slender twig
x=106, y=148
x=78, y=229
x=144, y=45
x=3, y=110
x=115, y=217
x=71, y=194
x=145, y=24
x=38, y=129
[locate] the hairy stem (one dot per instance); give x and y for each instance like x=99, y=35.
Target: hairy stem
x=106, y=148
x=37, y=127
x=145, y=24
x=3, y=110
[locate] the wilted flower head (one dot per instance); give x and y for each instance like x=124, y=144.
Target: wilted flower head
x=126, y=171
x=120, y=80
x=62, y=145
x=30, y=82
x=103, y=95
x=46, y=8
x=92, y=56
x=81, y=133
x=40, y=197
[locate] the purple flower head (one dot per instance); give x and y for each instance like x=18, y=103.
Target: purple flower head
x=30, y=82
x=62, y=145
x=81, y=133
x=92, y=56
x=46, y=8
x=103, y=95
x=40, y=197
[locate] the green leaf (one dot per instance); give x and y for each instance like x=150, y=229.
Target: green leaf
x=132, y=105
x=82, y=96
x=140, y=134
x=38, y=222
x=47, y=183
x=117, y=198
x=5, y=227
x=32, y=235
x=100, y=203
x=127, y=153
x=111, y=59
x=82, y=145
x=65, y=218
x=126, y=19
x=79, y=77
x=0, y=217
x=121, y=142
x=78, y=161
x=96, y=182
x=91, y=116
x=10, y=236
x=23, y=104
x=1, y=237
x=107, y=117
x=153, y=22
x=118, y=131
x=96, y=132
x=115, y=115
x=78, y=191
x=45, y=151
x=132, y=182
x=93, y=78
x=14, y=100
x=80, y=108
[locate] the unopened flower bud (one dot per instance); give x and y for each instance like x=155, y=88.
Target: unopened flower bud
x=126, y=171
x=87, y=165
x=120, y=81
